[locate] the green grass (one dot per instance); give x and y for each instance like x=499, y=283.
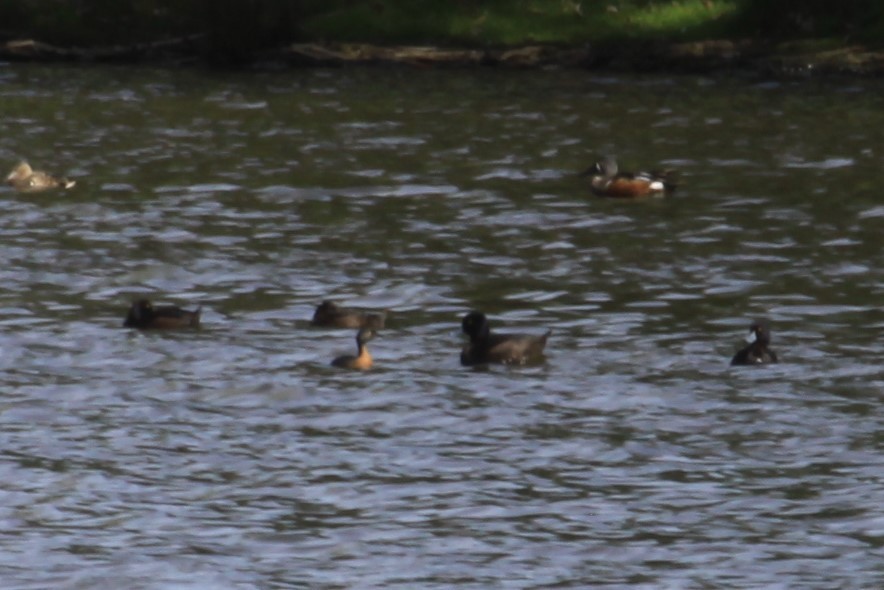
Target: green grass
x=500, y=22
x=686, y=18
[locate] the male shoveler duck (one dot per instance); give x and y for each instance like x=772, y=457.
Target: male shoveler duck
x=486, y=346
x=607, y=181
x=362, y=361
x=330, y=315
x=25, y=179
x=757, y=351
x=143, y=315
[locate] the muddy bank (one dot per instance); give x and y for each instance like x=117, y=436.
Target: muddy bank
x=695, y=57
x=648, y=56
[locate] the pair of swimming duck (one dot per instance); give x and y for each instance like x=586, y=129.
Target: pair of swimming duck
x=605, y=180
x=144, y=315
x=483, y=348
x=331, y=315
x=486, y=346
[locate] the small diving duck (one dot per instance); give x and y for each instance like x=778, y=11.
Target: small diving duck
x=330, y=315
x=757, y=351
x=607, y=181
x=144, y=316
x=362, y=361
x=486, y=346
x=25, y=179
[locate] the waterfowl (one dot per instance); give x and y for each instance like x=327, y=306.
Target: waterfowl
x=143, y=315
x=607, y=181
x=25, y=179
x=486, y=346
x=362, y=361
x=757, y=351
x=331, y=315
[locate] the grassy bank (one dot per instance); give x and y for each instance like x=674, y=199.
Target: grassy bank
x=233, y=29
x=518, y=22
x=498, y=23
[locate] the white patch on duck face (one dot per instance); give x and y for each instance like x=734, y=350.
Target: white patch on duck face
x=751, y=337
x=656, y=186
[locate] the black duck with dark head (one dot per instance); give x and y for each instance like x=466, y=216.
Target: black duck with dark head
x=757, y=352
x=145, y=316
x=486, y=346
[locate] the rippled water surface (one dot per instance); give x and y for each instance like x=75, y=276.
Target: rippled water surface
x=634, y=456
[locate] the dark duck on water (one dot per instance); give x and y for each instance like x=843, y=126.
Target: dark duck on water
x=486, y=346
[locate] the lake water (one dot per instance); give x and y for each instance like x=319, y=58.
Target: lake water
x=633, y=457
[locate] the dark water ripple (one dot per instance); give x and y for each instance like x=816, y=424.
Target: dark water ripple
x=235, y=457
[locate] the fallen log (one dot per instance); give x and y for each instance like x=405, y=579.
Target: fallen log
x=32, y=50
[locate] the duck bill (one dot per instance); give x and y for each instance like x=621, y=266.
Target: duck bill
x=751, y=337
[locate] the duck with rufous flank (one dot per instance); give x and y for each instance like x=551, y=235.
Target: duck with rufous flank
x=607, y=180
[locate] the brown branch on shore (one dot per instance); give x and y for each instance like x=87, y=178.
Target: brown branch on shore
x=31, y=50
x=355, y=53
x=307, y=54
x=700, y=56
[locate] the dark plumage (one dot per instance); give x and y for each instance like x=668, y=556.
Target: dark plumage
x=143, y=315
x=607, y=181
x=486, y=346
x=362, y=360
x=757, y=351
x=27, y=180
x=331, y=315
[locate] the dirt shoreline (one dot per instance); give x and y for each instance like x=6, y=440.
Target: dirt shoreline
x=712, y=56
